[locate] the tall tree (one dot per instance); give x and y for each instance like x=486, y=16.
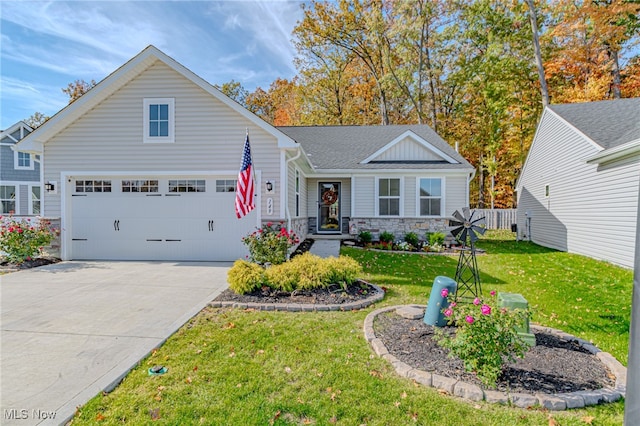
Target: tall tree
x=36, y=120
x=533, y=19
x=77, y=89
x=355, y=26
x=235, y=91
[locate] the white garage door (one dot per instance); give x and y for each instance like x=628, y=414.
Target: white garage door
x=157, y=219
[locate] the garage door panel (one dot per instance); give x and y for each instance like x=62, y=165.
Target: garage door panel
x=158, y=226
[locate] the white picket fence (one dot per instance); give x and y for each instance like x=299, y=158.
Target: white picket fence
x=498, y=218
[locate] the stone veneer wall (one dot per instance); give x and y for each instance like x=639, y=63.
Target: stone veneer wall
x=399, y=226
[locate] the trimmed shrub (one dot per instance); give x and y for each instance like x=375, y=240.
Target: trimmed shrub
x=365, y=237
x=245, y=277
x=386, y=237
x=412, y=238
x=308, y=271
x=344, y=270
x=24, y=240
x=436, y=238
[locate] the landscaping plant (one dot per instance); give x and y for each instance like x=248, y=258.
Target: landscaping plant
x=365, y=237
x=24, y=240
x=270, y=244
x=412, y=238
x=486, y=337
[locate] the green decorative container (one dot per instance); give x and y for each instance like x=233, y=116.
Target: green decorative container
x=517, y=301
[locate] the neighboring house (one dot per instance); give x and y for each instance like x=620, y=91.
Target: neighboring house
x=20, y=190
x=578, y=190
x=144, y=167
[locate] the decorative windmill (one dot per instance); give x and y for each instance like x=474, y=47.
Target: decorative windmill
x=466, y=229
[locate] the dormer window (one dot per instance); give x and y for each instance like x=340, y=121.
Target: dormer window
x=159, y=120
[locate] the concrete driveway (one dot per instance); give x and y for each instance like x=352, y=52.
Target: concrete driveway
x=73, y=329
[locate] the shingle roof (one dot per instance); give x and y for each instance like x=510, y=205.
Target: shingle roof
x=607, y=123
x=344, y=147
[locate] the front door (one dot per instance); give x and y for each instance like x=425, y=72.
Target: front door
x=329, y=208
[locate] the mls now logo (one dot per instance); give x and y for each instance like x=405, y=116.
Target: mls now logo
x=23, y=414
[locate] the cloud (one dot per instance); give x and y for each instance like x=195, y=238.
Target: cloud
x=24, y=99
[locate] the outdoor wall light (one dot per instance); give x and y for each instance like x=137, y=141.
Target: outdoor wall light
x=269, y=186
x=50, y=186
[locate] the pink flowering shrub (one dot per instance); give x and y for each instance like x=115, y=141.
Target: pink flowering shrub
x=24, y=240
x=270, y=244
x=486, y=337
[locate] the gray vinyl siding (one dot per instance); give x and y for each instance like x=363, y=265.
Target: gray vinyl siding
x=8, y=171
x=364, y=189
x=291, y=191
x=209, y=136
x=456, y=194
x=591, y=209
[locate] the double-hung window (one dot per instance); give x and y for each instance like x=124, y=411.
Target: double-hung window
x=159, y=114
x=8, y=199
x=23, y=161
x=389, y=197
x=35, y=200
x=430, y=196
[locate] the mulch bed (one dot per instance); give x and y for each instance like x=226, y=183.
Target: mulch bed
x=554, y=365
x=27, y=264
x=334, y=295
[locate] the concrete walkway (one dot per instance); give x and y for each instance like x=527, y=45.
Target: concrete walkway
x=74, y=329
x=325, y=248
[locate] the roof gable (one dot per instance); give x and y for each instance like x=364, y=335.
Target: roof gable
x=15, y=133
x=409, y=147
x=350, y=148
x=607, y=123
x=118, y=79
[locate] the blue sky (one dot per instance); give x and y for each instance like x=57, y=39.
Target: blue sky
x=45, y=46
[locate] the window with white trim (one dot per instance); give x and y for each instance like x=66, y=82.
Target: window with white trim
x=22, y=161
x=93, y=186
x=35, y=200
x=187, y=185
x=297, y=191
x=226, y=185
x=430, y=195
x=140, y=185
x=8, y=199
x=389, y=197
x=158, y=118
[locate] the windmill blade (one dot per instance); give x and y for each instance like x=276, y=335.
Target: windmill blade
x=479, y=221
x=474, y=237
x=457, y=231
x=470, y=218
x=479, y=229
x=458, y=217
x=463, y=237
x=466, y=213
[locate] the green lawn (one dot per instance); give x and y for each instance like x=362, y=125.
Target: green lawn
x=237, y=367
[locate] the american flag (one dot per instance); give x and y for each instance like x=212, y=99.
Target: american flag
x=244, y=188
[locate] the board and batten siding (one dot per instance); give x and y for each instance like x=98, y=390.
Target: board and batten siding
x=408, y=148
x=591, y=209
x=209, y=136
x=291, y=191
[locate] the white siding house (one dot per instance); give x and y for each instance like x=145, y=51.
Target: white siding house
x=578, y=190
x=144, y=165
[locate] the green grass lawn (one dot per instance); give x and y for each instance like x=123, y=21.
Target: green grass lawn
x=244, y=367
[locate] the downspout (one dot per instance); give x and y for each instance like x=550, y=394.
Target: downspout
x=285, y=189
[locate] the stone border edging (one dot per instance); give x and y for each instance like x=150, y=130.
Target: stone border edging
x=378, y=295
x=554, y=402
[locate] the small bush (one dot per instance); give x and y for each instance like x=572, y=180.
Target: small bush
x=344, y=270
x=308, y=271
x=245, y=277
x=24, y=240
x=365, y=237
x=386, y=237
x=270, y=244
x=436, y=238
x=412, y=238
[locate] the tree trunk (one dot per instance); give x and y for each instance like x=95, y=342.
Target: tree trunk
x=544, y=91
x=615, y=70
x=481, y=184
